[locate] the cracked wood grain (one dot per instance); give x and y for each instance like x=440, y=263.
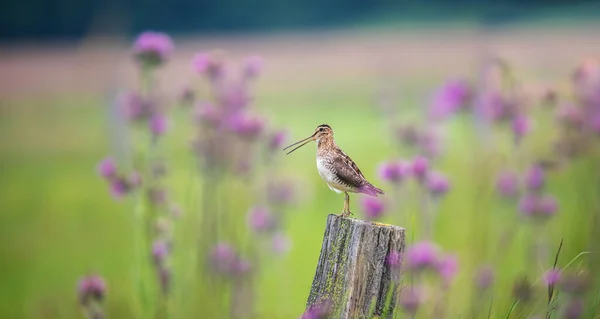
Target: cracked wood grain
x=352, y=274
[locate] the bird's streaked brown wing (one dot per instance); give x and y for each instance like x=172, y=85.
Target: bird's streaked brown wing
x=347, y=171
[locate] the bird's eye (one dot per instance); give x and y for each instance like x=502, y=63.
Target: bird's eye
x=321, y=129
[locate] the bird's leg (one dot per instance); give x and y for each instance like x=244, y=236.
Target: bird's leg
x=343, y=214
x=346, y=209
x=346, y=205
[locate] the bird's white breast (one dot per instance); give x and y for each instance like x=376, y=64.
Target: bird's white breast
x=329, y=176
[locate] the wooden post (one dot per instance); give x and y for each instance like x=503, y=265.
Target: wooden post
x=353, y=276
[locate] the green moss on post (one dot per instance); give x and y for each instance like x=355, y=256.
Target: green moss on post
x=353, y=275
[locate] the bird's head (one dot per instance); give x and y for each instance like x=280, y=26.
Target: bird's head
x=322, y=131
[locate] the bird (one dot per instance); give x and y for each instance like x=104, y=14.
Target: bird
x=336, y=168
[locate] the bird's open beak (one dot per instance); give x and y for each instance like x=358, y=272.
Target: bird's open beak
x=303, y=141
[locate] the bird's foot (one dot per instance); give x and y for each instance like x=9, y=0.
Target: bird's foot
x=344, y=214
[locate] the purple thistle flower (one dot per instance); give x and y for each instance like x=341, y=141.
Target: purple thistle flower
x=552, y=276
x=133, y=106
x=450, y=98
x=535, y=179
x=276, y=140
x=447, y=268
x=107, y=168
x=260, y=219
x=547, y=205
x=422, y=255
x=252, y=67
x=571, y=116
x=223, y=258
x=134, y=179
x=585, y=71
x=507, y=184
x=158, y=124
x=437, y=184
x=411, y=299
x=241, y=267
x=160, y=251
x=373, y=207
x=484, y=277
x=586, y=79
x=223, y=251
x=234, y=98
x=387, y=171
x=208, y=114
x=281, y=243
x=528, y=204
x=420, y=167
x=573, y=309
x=494, y=106
x=153, y=48
x=594, y=122
x=429, y=144
x=118, y=188
x=532, y=205
x=394, y=172
x=318, y=311
x=245, y=126
x=91, y=287
x=520, y=127
x=394, y=259
x=205, y=63
x=201, y=62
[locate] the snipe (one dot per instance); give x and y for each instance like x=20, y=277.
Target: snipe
x=336, y=168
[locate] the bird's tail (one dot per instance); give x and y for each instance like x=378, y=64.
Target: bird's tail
x=371, y=190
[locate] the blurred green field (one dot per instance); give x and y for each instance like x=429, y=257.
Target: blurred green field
x=58, y=221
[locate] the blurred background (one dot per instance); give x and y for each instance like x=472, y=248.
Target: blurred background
x=480, y=120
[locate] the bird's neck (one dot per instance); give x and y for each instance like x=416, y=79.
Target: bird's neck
x=325, y=143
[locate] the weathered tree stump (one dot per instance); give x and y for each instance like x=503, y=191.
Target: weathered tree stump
x=353, y=276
